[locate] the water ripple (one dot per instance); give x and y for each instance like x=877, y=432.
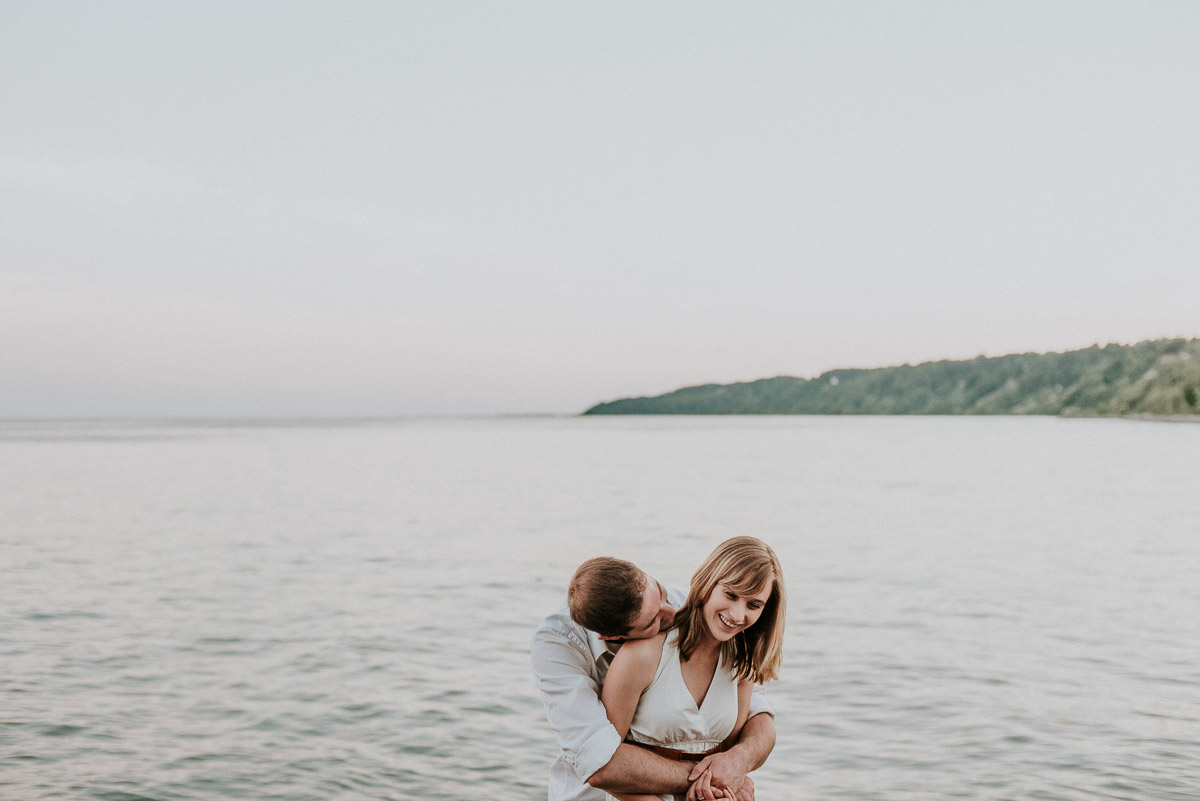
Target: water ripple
x=293, y=614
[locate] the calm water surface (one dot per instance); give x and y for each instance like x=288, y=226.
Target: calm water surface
x=989, y=608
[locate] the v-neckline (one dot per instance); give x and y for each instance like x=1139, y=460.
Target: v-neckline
x=708, y=689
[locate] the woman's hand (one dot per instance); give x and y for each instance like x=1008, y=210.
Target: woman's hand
x=716, y=773
x=701, y=792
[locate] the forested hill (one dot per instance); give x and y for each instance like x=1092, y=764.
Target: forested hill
x=1159, y=377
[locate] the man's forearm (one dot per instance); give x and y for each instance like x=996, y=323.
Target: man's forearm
x=728, y=769
x=636, y=770
x=756, y=741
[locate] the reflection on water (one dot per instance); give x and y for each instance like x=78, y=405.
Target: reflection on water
x=980, y=608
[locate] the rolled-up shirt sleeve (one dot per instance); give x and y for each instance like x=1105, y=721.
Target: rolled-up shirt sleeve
x=564, y=673
x=758, y=702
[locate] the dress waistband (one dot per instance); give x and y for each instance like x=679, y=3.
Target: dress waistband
x=673, y=753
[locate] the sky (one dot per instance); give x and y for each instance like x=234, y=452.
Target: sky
x=287, y=209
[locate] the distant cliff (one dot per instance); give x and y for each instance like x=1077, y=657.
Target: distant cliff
x=1158, y=377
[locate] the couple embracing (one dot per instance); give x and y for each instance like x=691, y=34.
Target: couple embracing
x=654, y=696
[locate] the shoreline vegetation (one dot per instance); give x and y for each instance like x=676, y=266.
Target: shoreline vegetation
x=1153, y=380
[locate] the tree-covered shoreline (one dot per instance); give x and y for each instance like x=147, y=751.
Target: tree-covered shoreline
x=1156, y=377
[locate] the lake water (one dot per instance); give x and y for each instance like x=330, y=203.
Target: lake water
x=981, y=608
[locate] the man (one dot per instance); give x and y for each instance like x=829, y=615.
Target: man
x=610, y=601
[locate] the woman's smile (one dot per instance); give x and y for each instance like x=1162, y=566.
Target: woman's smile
x=728, y=612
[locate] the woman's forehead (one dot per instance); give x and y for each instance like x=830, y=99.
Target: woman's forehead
x=749, y=580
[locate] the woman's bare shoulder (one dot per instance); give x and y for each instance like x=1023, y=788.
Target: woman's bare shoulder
x=633, y=668
x=640, y=653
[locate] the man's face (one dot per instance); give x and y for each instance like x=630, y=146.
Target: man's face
x=655, y=615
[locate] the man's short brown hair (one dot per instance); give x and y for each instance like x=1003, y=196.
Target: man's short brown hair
x=605, y=595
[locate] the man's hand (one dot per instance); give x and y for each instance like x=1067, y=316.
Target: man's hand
x=717, y=773
x=695, y=793
x=721, y=771
x=744, y=793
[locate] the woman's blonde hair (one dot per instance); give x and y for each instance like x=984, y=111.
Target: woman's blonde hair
x=745, y=565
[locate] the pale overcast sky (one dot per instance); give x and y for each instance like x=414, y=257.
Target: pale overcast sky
x=231, y=208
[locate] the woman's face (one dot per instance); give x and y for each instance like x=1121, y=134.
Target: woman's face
x=727, y=612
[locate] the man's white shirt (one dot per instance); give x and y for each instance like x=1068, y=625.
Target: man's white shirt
x=569, y=666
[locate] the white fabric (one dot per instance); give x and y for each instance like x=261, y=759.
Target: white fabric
x=667, y=715
x=569, y=666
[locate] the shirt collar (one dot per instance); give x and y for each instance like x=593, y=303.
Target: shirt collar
x=598, y=646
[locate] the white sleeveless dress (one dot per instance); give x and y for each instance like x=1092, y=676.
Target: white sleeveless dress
x=667, y=715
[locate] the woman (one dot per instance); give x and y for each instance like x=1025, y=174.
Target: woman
x=688, y=689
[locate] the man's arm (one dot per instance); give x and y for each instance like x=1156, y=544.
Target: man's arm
x=631, y=672
x=636, y=770
x=728, y=769
x=571, y=696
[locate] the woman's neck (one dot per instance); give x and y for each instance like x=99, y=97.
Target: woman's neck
x=707, y=646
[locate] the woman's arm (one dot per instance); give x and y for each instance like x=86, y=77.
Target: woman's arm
x=715, y=771
x=630, y=674
x=628, y=677
x=745, y=687
x=703, y=786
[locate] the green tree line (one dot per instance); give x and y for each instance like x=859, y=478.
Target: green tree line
x=1157, y=377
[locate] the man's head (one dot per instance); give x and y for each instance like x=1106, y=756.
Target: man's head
x=617, y=600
